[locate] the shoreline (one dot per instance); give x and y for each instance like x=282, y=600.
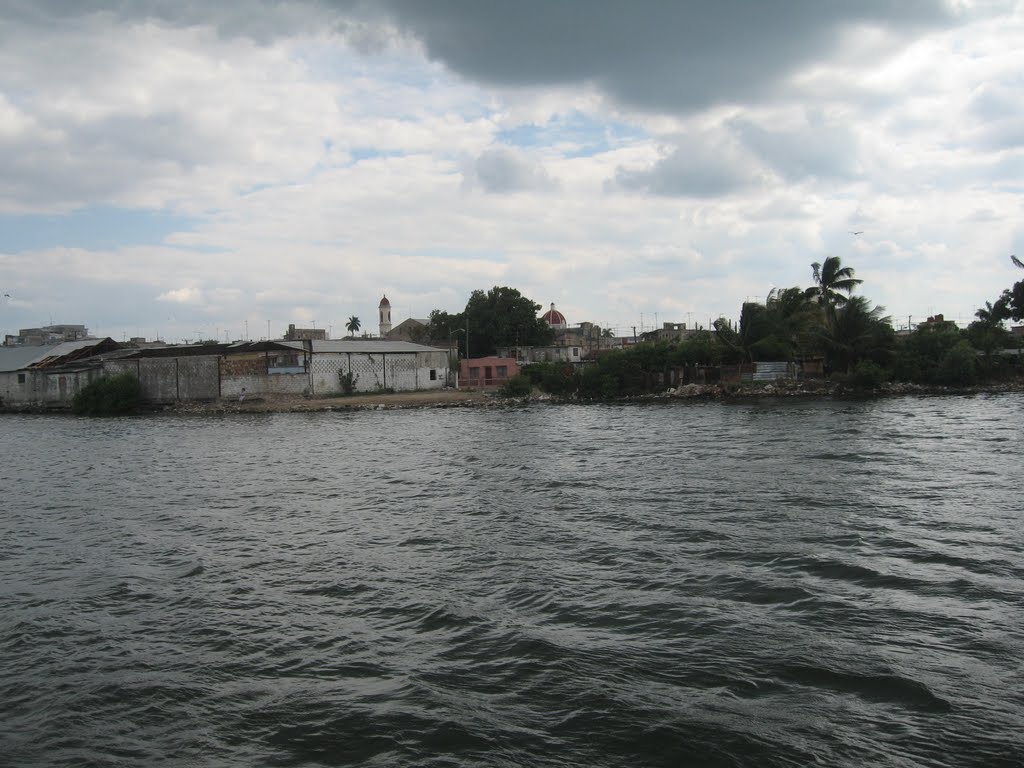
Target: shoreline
x=451, y=398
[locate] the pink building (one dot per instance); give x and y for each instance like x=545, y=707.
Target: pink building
x=487, y=371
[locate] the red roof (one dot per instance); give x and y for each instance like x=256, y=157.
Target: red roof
x=384, y=302
x=553, y=317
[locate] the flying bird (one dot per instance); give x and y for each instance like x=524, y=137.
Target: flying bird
x=1017, y=261
x=858, y=232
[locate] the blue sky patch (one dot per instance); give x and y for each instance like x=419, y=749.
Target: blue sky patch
x=592, y=136
x=89, y=228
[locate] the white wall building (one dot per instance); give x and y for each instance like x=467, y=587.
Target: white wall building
x=376, y=366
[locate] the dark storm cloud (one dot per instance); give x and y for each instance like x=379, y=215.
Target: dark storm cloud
x=651, y=54
x=662, y=55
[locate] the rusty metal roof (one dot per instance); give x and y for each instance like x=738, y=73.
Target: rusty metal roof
x=23, y=358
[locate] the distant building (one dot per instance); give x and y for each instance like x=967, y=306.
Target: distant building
x=554, y=318
x=487, y=371
x=51, y=375
x=49, y=334
x=384, y=309
x=305, y=334
x=410, y=329
x=667, y=332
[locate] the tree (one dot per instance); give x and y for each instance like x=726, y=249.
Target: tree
x=831, y=281
x=503, y=317
x=857, y=331
x=108, y=396
x=795, y=318
x=352, y=326
x=1013, y=298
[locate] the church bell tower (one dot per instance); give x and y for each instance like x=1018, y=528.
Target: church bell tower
x=384, y=308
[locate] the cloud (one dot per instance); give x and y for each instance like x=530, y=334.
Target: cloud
x=291, y=160
x=187, y=295
x=650, y=54
x=702, y=165
x=501, y=170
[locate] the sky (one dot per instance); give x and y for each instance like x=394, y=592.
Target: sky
x=176, y=169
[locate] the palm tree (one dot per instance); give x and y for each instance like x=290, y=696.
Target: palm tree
x=352, y=325
x=794, y=318
x=832, y=280
x=857, y=330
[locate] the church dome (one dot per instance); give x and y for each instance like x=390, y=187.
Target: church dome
x=554, y=318
x=384, y=302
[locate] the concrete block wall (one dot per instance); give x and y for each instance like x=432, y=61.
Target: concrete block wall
x=274, y=384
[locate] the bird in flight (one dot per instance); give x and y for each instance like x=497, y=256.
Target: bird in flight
x=858, y=232
x=1017, y=261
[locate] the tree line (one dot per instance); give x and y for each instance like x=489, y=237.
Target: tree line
x=828, y=323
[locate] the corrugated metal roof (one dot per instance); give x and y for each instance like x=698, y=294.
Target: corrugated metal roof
x=370, y=346
x=18, y=358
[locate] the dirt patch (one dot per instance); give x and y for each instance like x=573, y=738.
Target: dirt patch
x=286, y=404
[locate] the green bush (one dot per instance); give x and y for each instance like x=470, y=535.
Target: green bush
x=867, y=375
x=518, y=386
x=347, y=382
x=108, y=396
x=958, y=366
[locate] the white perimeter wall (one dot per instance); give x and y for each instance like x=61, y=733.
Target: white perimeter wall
x=402, y=372
x=271, y=384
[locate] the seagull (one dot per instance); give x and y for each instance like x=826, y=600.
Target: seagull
x=858, y=232
x=1017, y=261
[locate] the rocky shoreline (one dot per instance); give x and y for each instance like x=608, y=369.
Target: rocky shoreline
x=450, y=398
x=492, y=399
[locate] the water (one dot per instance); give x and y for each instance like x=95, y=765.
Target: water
x=773, y=584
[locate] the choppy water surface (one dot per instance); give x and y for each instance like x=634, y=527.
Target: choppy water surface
x=774, y=584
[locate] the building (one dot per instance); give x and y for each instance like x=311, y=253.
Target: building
x=410, y=329
x=384, y=311
x=46, y=336
x=554, y=318
x=487, y=371
x=33, y=376
x=374, y=366
x=305, y=334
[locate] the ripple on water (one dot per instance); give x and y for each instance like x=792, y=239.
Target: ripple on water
x=696, y=584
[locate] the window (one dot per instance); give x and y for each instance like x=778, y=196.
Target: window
x=502, y=371
x=21, y=378
x=474, y=373
x=433, y=374
x=575, y=351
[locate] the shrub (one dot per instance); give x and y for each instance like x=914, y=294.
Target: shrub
x=867, y=375
x=347, y=382
x=518, y=386
x=108, y=396
x=959, y=366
